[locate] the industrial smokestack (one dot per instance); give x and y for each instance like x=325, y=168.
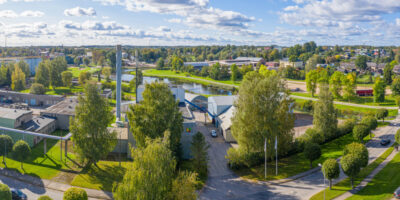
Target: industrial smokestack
x=119, y=72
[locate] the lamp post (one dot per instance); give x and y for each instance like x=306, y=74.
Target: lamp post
x=323, y=173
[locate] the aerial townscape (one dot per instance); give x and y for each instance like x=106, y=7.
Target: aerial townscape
x=199, y=99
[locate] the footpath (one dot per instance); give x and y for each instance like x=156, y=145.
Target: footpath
x=368, y=178
x=44, y=183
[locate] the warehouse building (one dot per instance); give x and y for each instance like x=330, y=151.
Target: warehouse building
x=22, y=119
x=61, y=112
x=225, y=121
x=30, y=99
x=198, y=100
x=177, y=91
x=218, y=105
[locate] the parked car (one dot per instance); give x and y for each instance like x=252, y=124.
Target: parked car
x=18, y=194
x=214, y=133
x=385, y=142
x=397, y=193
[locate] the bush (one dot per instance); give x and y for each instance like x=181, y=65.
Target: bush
x=21, y=151
x=5, y=192
x=238, y=158
x=381, y=114
x=370, y=122
x=397, y=99
x=312, y=152
x=360, y=131
x=314, y=136
x=75, y=194
x=359, y=150
x=37, y=88
x=346, y=127
x=45, y=197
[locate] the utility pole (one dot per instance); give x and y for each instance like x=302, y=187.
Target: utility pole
x=136, y=75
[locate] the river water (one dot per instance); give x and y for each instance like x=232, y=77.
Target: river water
x=187, y=85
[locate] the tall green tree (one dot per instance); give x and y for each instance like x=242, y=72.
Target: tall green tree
x=370, y=122
x=199, y=152
x=331, y=170
x=395, y=87
x=42, y=73
x=177, y=63
x=360, y=131
x=93, y=141
x=157, y=113
x=387, y=74
x=351, y=166
x=56, y=67
x=312, y=152
x=311, y=81
x=21, y=151
x=312, y=63
x=6, y=145
x=84, y=77
x=37, y=88
x=361, y=62
x=235, y=72
x=379, y=90
x=66, y=77
x=359, y=150
x=184, y=186
x=251, y=126
x=107, y=73
x=138, y=183
x=335, y=84
x=350, y=84
x=382, y=114
x=325, y=116
x=18, y=79
x=24, y=67
x=160, y=63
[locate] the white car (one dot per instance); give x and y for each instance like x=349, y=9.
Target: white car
x=213, y=133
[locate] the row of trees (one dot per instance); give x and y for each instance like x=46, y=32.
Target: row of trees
x=20, y=150
x=70, y=194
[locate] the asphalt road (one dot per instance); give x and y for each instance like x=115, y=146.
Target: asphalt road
x=223, y=184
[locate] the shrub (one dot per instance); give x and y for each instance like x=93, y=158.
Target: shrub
x=21, y=151
x=381, y=114
x=307, y=106
x=397, y=99
x=75, y=194
x=238, y=158
x=312, y=152
x=359, y=150
x=346, y=127
x=234, y=158
x=45, y=197
x=370, y=122
x=5, y=192
x=314, y=136
x=37, y=88
x=360, y=131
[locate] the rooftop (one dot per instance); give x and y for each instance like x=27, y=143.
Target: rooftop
x=187, y=115
x=65, y=107
x=37, y=123
x=223, y=100
x=9, y=113
x=122, y=133
x=226, y=118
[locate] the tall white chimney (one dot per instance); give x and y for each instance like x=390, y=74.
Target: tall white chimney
x=119, y=74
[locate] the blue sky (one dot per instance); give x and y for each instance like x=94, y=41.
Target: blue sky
x=199, y=22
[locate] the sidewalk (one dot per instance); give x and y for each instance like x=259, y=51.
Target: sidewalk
x=368, y=178
x=98, y=194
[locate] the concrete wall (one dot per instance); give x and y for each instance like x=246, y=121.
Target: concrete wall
x=30, y=99
x=186, y=138
x=62, y=120
x=179, y=94
x=228, y=135
x=22, y=119
x=9, y=123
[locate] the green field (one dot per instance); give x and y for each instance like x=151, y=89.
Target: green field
x=297, y=163
x=101, y=178
x=187, y=76
x=76, y=70
x=345, y=185
x=389, y=100
x=40, y=165
x=383, y=184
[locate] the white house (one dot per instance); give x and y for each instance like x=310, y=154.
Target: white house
x=286, y=63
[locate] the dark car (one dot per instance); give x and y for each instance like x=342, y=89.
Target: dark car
x=397, y=193
x=18, y=195
x=385, y=142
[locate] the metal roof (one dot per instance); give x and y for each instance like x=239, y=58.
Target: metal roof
x=9, y=113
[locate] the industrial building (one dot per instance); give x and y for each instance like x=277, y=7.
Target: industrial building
x=286, y=63
x=225, y=121
x=23, y=120
x=30, y=99
x=218, y=105
x=61, y=112
x=177, y=92
x=196, y=65
x=198, y=100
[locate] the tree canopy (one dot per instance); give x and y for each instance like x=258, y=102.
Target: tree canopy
x=331, y=170
x=93, y=141
x=325, y=116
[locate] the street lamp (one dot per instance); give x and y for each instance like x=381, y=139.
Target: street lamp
x=323, y=173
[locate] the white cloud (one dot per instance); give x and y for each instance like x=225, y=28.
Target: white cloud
x=195, y=12
x=291, y=8
x=31, y=13
x=332, y=12
x=8, y=14
x=78, y=11
x=164, y=29
x=92, y=25
x=398, y=21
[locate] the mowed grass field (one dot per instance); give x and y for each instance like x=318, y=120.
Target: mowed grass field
x=345, y=185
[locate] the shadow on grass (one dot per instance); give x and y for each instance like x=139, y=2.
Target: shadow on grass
x=104, y=175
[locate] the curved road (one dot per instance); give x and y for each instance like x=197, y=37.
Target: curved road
x=223, y=184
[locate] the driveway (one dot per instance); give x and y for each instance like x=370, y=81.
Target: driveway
x=223, y=184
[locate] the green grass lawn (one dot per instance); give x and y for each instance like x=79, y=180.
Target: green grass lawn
x=40, y=165
x=101, y=178
x=297, y=163
x=186, y=76
x=60, y=90
x=76, y=70
x=353, y=110
x=389, y=100
x=345, y=185
x=383, y=184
